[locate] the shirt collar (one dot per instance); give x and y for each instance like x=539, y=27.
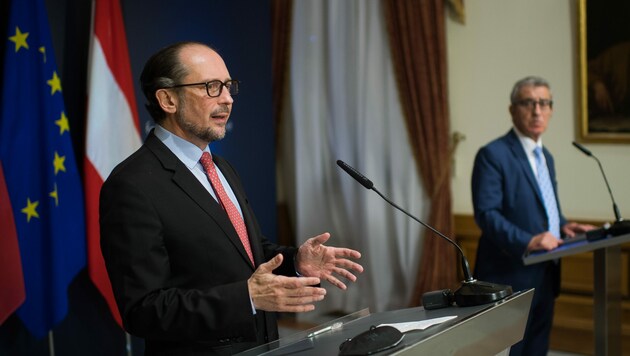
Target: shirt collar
x=187, y=152
x=528, y=144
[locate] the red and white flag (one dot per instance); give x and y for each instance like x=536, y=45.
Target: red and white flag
x=113, y=128
x=12, y=292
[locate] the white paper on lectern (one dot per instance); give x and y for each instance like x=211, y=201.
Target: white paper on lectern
x=419, y=325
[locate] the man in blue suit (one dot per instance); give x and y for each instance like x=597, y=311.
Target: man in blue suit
x=518, y=211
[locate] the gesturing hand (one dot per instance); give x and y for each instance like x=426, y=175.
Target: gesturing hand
x=271, y=292
x=316, y=260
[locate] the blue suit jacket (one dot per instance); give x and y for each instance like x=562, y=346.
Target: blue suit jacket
x=509, y=211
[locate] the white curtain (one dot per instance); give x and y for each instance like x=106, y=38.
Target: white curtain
x=344, y=105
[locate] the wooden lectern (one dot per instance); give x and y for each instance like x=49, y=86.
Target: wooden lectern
x=607, y=285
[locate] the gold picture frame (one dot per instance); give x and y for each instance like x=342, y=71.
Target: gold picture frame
x=604, y=114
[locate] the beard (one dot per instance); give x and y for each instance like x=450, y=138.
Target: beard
x=208, y=134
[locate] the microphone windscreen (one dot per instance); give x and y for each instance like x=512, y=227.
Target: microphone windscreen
x=355, y=174
x=585, y=150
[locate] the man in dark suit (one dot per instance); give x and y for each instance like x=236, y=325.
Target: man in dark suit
x=516, y=207
x=190, y=269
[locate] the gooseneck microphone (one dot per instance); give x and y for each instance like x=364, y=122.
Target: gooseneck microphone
x=369, y=185
x=620, y=226
x=471, y=292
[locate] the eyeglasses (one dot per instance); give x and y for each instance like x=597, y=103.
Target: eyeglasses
x=214, y=87
x=545, y=104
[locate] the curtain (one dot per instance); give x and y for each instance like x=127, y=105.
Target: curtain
x=343, y=103
x=417, y=36
x=281, y=16
x=281, y=19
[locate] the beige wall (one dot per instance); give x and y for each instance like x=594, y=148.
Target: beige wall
x=501, y=42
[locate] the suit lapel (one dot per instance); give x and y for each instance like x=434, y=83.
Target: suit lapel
x=521, y=157
x=248, y=215
x=189, y=184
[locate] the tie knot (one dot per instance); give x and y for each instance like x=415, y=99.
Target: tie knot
x=205, y=160
x=538, y=151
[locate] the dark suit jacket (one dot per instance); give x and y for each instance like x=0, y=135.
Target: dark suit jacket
x=509, y=210
x=178, y=269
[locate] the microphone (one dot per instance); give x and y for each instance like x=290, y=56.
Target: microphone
x=471, y=292
x=620, y=226
x=356, y=175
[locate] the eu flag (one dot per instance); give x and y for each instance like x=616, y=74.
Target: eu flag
x=40, y=169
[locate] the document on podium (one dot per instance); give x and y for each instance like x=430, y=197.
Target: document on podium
x=419, y=325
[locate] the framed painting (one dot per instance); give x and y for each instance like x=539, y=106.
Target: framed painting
x=604, y=61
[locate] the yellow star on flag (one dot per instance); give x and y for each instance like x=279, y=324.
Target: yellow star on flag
x=42, y=50
x=58, y=163
x=63, y=123
x=31, y=209
x=55, y=83
x=55, y=195
x=19, y=39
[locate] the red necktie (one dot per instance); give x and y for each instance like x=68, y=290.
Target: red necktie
x=226, y=202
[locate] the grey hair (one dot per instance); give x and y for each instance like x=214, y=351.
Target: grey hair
x=525, y=82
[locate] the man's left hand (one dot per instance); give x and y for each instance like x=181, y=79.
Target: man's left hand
x=572, y=228
x=314, y=259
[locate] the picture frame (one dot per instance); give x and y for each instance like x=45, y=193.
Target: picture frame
x=604, y=66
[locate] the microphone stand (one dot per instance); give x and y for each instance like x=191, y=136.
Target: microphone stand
x=471, y=292
x=620, y=226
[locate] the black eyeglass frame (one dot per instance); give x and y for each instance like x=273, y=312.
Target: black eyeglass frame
x=231, y=85
x=531, y=104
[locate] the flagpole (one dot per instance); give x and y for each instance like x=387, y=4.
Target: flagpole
x=51, y=344
x=129, y=348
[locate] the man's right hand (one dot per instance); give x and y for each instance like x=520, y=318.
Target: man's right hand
x=272, y=292
x=545, y=241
